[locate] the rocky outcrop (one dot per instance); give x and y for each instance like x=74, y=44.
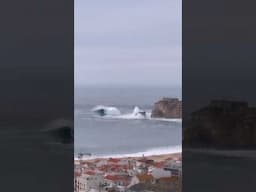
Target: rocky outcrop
x=222, y=124
x=167, y=108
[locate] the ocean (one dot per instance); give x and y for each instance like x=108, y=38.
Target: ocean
x=124, y=135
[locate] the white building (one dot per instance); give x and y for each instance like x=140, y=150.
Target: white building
x=86, y=182
x=159, y=172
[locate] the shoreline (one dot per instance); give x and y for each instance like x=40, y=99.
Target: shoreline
x=148, y=153
x=157, y=157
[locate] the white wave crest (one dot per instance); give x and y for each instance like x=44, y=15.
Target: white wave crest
x=106, y=110
x=114, y=113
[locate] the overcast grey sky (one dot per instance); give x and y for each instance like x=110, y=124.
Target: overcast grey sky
x=128, y=42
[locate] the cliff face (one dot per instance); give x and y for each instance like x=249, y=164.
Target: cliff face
x=222, y=124
x=167, y=108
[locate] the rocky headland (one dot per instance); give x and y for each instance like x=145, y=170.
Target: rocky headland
x=167, y=108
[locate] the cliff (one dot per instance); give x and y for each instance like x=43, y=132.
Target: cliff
x=222, y=124
x=167, y=108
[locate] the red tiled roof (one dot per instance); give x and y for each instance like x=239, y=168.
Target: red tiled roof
x=117, y=178
x=113, y=177
x=90, y=172
x=77, y=174
x=113, y=160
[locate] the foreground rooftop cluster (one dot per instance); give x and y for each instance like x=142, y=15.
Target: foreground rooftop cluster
x=128, y=175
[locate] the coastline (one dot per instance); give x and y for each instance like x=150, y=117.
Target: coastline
x=156, y=158
x=159, y=151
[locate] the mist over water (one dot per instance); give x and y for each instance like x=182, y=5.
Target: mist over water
x=117, y=136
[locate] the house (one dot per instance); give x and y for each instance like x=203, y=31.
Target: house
x=80, y=184
x=87, y=181
x=159, y=172
x=120, y=180
x=141, y=178
x=175, y=167
x=76, y=182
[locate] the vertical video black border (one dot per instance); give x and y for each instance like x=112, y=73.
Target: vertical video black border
x=218, y=51
x=37, y=95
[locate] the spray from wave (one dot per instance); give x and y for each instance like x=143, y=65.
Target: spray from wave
x=137, y=113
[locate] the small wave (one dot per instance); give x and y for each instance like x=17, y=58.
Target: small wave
x=169, y=120
x=149, y=152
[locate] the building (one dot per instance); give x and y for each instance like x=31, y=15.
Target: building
x=89, y=180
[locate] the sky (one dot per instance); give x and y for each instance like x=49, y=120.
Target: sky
x=128, y=42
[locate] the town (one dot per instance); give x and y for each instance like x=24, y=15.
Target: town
x=162, y=173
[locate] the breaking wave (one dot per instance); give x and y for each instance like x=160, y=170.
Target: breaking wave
x=106, y=111
x=137, y=113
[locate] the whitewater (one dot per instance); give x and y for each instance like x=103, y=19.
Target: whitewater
x=114, y=112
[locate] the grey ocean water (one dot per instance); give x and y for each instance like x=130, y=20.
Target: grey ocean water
x=103, y=136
